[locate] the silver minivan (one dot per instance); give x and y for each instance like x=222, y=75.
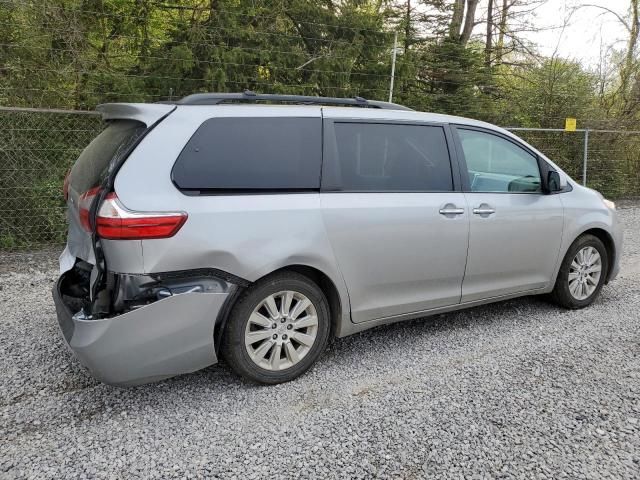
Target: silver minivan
x=255, y=227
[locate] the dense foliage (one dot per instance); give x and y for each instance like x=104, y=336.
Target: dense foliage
x=462, y=57
x=78, y=53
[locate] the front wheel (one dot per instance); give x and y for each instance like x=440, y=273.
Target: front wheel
x=277, y=329
x=582, y=273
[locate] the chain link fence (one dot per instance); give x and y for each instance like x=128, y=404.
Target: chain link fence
x=37, y=148
x=606, y=160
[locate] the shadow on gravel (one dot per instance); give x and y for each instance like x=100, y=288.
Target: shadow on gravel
x=352, y=367
x=349, y=349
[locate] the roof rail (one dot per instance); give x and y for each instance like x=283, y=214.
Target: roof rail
x=249, y=96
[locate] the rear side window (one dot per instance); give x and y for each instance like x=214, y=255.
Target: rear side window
x=103, y=152
x=252, y=154
x=392, y=157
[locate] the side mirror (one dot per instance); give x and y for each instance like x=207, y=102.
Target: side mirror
x=553, y=181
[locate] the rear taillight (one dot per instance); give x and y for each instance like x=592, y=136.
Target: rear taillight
x=115, y=222
x=65, y=185
x=84, y=205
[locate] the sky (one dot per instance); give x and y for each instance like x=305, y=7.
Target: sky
x=587, y=28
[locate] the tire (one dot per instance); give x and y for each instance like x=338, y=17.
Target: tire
x=562, y=292
x=255, y=318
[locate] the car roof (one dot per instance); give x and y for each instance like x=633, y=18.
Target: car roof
x=217, y=98
x=149, y=113
x=400, y=115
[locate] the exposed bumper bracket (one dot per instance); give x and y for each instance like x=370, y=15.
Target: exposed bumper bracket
x=165, y=338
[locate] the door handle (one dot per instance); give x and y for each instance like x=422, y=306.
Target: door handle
x=484, y=210
x=450, y=209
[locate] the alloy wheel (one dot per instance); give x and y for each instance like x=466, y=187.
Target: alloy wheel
x=584, y=273
x=281, y=330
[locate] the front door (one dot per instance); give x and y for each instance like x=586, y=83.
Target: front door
x=515, y=229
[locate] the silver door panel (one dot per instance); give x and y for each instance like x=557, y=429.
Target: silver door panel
x=396, y=251
x=514, y=240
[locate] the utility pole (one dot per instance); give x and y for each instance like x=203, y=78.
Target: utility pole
x=393, y=65
x=585, y=157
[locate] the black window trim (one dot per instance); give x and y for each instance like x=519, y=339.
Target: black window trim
x=543, y=166
x=329, y=173
x=212, y=192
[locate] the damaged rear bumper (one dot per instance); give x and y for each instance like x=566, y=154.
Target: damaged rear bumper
x=171, y=336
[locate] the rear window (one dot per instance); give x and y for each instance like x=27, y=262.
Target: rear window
x=102, y=153
x=252, y=154
x=379, y=157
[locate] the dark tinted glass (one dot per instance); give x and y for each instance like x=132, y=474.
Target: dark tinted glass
x=384, y=157
x=103, y=152
x=252, y=154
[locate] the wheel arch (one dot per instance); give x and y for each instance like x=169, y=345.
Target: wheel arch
x=324, y=282
x=606, y=238
x=327, y=286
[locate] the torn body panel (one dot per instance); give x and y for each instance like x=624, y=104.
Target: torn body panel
x=154, y=327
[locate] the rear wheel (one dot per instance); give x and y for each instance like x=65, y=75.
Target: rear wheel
x=277, y=329
x=582, y=273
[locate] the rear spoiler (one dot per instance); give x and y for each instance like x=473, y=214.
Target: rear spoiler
x=147, y=113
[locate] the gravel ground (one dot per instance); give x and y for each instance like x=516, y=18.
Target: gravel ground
x=515, y=389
